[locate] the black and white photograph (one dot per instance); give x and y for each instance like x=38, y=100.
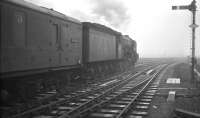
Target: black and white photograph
x=100, y=58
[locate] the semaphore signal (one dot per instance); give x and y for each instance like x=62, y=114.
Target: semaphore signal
x=191, y=7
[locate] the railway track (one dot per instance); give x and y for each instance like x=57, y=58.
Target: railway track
x=79, y=106
x=59, y=100
x=130, y=101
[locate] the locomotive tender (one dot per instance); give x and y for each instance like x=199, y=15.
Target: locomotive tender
x=44, y=49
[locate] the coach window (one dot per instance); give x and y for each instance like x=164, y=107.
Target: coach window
x=19, y=28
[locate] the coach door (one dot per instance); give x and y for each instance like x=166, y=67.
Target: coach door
x=66, y=46
x=55, y=59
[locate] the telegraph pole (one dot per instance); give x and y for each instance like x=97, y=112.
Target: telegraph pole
x=191, y=7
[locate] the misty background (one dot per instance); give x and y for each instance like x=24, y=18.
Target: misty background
x=158, y=30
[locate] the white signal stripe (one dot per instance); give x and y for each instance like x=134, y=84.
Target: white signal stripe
x=198, y=74
x=196, y=71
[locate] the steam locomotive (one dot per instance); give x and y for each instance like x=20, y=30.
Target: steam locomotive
x=42, y=49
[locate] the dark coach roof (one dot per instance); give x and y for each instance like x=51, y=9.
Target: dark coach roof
x=101, y=27
x=42, y=9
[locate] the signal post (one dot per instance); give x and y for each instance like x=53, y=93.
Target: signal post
x=191, y=7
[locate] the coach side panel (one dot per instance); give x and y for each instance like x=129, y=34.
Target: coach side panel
x=33, y=40
x=102, y=46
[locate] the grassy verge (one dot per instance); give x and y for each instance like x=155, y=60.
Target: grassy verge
x=192, y=100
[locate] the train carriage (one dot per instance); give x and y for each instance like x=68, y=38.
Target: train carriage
x=100, y=49
x=100, y=43
x=41, y=49
x=44, y=50
x=36, y=38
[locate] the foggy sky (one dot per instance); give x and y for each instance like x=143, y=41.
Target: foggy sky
x=113, y=12
x=159, y=31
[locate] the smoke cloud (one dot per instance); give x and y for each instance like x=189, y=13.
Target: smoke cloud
x=115, y=13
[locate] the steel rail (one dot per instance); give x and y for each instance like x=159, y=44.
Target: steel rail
x=140, y=83
x=125, y=110
x=90, y=103
x=52, y=104
x=94, y=102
